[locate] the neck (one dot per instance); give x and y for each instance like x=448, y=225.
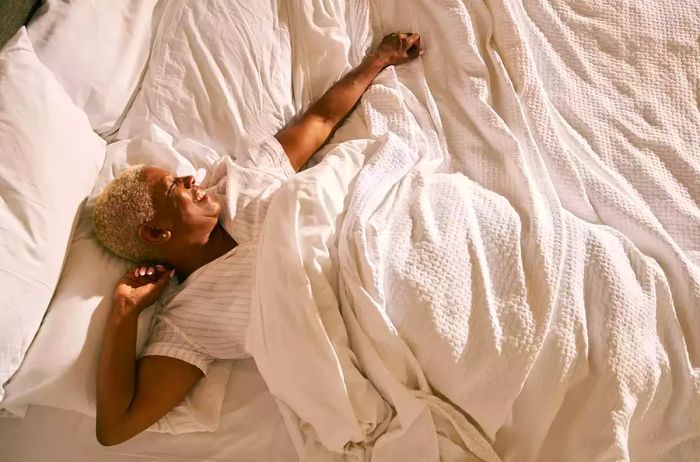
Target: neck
x=219, y=243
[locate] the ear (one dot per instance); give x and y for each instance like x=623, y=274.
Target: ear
x=153, y=235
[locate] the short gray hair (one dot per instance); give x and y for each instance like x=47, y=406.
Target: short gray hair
x=121, y=208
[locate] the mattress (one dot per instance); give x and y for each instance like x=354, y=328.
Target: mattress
x=251, y=429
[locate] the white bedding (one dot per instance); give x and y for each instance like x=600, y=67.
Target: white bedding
x=59, y=370
x=251, y=430
x=236, y=45
x=219, y=74
x=516, y=263
x=98, y=52
x=514, y=272
x=43, y=136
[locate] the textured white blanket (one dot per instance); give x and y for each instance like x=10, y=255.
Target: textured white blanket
x=517, y=260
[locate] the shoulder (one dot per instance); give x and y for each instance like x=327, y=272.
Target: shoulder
x=268, y=156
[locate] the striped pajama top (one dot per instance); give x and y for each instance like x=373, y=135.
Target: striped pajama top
x=206, y=317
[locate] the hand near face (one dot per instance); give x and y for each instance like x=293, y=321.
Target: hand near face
x=141, y=286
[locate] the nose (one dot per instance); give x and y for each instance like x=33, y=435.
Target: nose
x=188, y=181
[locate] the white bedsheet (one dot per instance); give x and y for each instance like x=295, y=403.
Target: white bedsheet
x=514, y=273
x=251, y=430
x=517, y=260
x=103, y=77
x=219, y=74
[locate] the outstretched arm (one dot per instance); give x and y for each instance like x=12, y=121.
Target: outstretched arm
x=305, y=136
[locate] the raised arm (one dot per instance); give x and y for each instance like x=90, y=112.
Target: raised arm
x=132, y=395
x=306, y=135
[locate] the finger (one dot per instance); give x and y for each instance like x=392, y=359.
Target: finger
x=140, y=282
x=415, y=51
x=413, y=39
x=142, y=279
x=165, y=278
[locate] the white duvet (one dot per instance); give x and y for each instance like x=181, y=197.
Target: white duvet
x=508, y=267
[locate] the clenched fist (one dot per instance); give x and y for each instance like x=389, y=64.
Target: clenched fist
x=140, y=287
x=398, y=48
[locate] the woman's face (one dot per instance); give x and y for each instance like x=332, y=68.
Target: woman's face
x=182, y=209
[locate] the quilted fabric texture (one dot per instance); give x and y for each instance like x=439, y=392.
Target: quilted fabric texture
x=519, y=247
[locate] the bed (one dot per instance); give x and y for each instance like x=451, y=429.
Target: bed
x=78, y=100
x=251, y=429
x=496, y=257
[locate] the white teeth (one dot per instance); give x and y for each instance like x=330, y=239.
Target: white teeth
x=199, y=195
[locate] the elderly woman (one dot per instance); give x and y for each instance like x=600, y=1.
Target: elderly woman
x=207, y=239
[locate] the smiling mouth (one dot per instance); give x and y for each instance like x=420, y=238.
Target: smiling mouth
x=199, y=195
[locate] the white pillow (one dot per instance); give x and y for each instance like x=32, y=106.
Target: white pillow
x=61, y=365
x=49, y=161
x=98, y=51
x=219, y=73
